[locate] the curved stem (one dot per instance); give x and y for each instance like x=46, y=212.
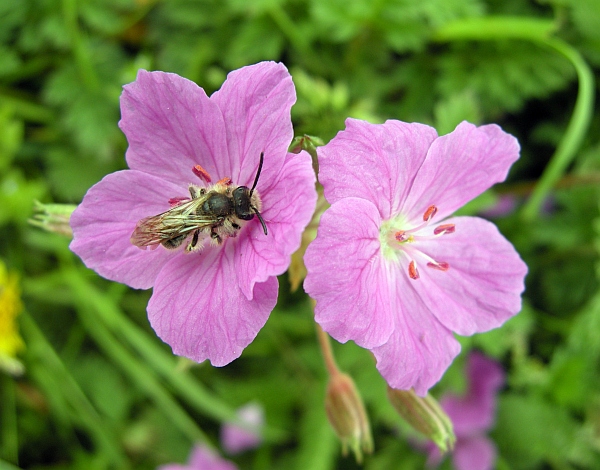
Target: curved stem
x=8, y=429
x=573, y=136
x=539, y=32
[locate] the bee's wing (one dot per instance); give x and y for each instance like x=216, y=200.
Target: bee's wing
x=179, y=221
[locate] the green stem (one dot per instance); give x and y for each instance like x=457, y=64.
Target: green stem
x=10, y=442
x=539, y=32
x=138, y=371
x=48, y=361
x=576, y=130
x=110, y=315
x=493, y=28
x=181, y=381
x=82, y=54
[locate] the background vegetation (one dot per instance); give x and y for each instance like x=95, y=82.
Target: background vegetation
x=100, y=391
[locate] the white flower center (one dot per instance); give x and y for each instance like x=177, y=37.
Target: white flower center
x=398, y=239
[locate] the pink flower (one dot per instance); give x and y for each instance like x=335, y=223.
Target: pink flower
x=505, y=205
x=236, y=439
x=215, y=292
x=387, y=270
x=202, y=458
x=472, y=415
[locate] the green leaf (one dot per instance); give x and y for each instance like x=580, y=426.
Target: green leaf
x=503, y=74
x=254, y=41
x=586, y=16
x=530, y=431
x=454, y=109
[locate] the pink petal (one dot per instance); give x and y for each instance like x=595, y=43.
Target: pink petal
x=287, y=207
x=236, y=439
x=171, y=125
x=460, y=166
x=104, y=221
x=376, y=162
x=420, y=349
x=202, y=458
x=200, y=312
x=256, y=103
x=476, y=411
x=348, y=277
x=486, y=376
x=482, y=288
x=474, y=453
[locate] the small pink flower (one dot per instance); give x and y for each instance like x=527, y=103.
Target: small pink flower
x=473, y=415
x=211, y=302
x=505, y=205
x=236, y=439
x=387, y=269
x=202, y=458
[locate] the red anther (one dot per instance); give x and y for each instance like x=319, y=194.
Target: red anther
x=413, y=273
x=429, y=213
x=225, y=181
x=201, y=173
x=175, y=201
x=444, y=229
x=401, y=236
x=439, y=265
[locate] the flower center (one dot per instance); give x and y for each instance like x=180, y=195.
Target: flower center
x=399, y=239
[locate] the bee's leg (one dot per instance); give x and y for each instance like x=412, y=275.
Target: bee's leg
x=193, y=243
x=174, y=242
x=215, y=236
x=235, y=226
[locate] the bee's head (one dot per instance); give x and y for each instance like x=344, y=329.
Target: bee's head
x=242, y=203
x=246, y=202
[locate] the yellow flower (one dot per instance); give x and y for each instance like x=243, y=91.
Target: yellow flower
x=10, y=306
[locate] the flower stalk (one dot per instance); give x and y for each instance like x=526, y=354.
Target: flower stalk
x=344, y=406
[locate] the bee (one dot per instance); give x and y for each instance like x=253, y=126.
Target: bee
x=218, y=211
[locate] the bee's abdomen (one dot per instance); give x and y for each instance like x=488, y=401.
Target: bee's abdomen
x=218, y=205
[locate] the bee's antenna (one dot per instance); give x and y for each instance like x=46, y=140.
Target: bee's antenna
x=260, y=164
x=262, y=222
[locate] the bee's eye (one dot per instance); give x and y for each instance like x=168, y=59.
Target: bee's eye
x=241, y=203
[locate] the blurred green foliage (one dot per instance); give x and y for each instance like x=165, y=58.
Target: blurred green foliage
x=102, y=392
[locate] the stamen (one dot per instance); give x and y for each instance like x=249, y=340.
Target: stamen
x=175, y=201
x=408, y=241
x=413, y=273
x=225, y=181
x=201, y=173
x=439, y=265
x=429, y=213
x=444, y=229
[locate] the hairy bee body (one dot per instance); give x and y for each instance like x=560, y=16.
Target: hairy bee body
x=216, y=212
